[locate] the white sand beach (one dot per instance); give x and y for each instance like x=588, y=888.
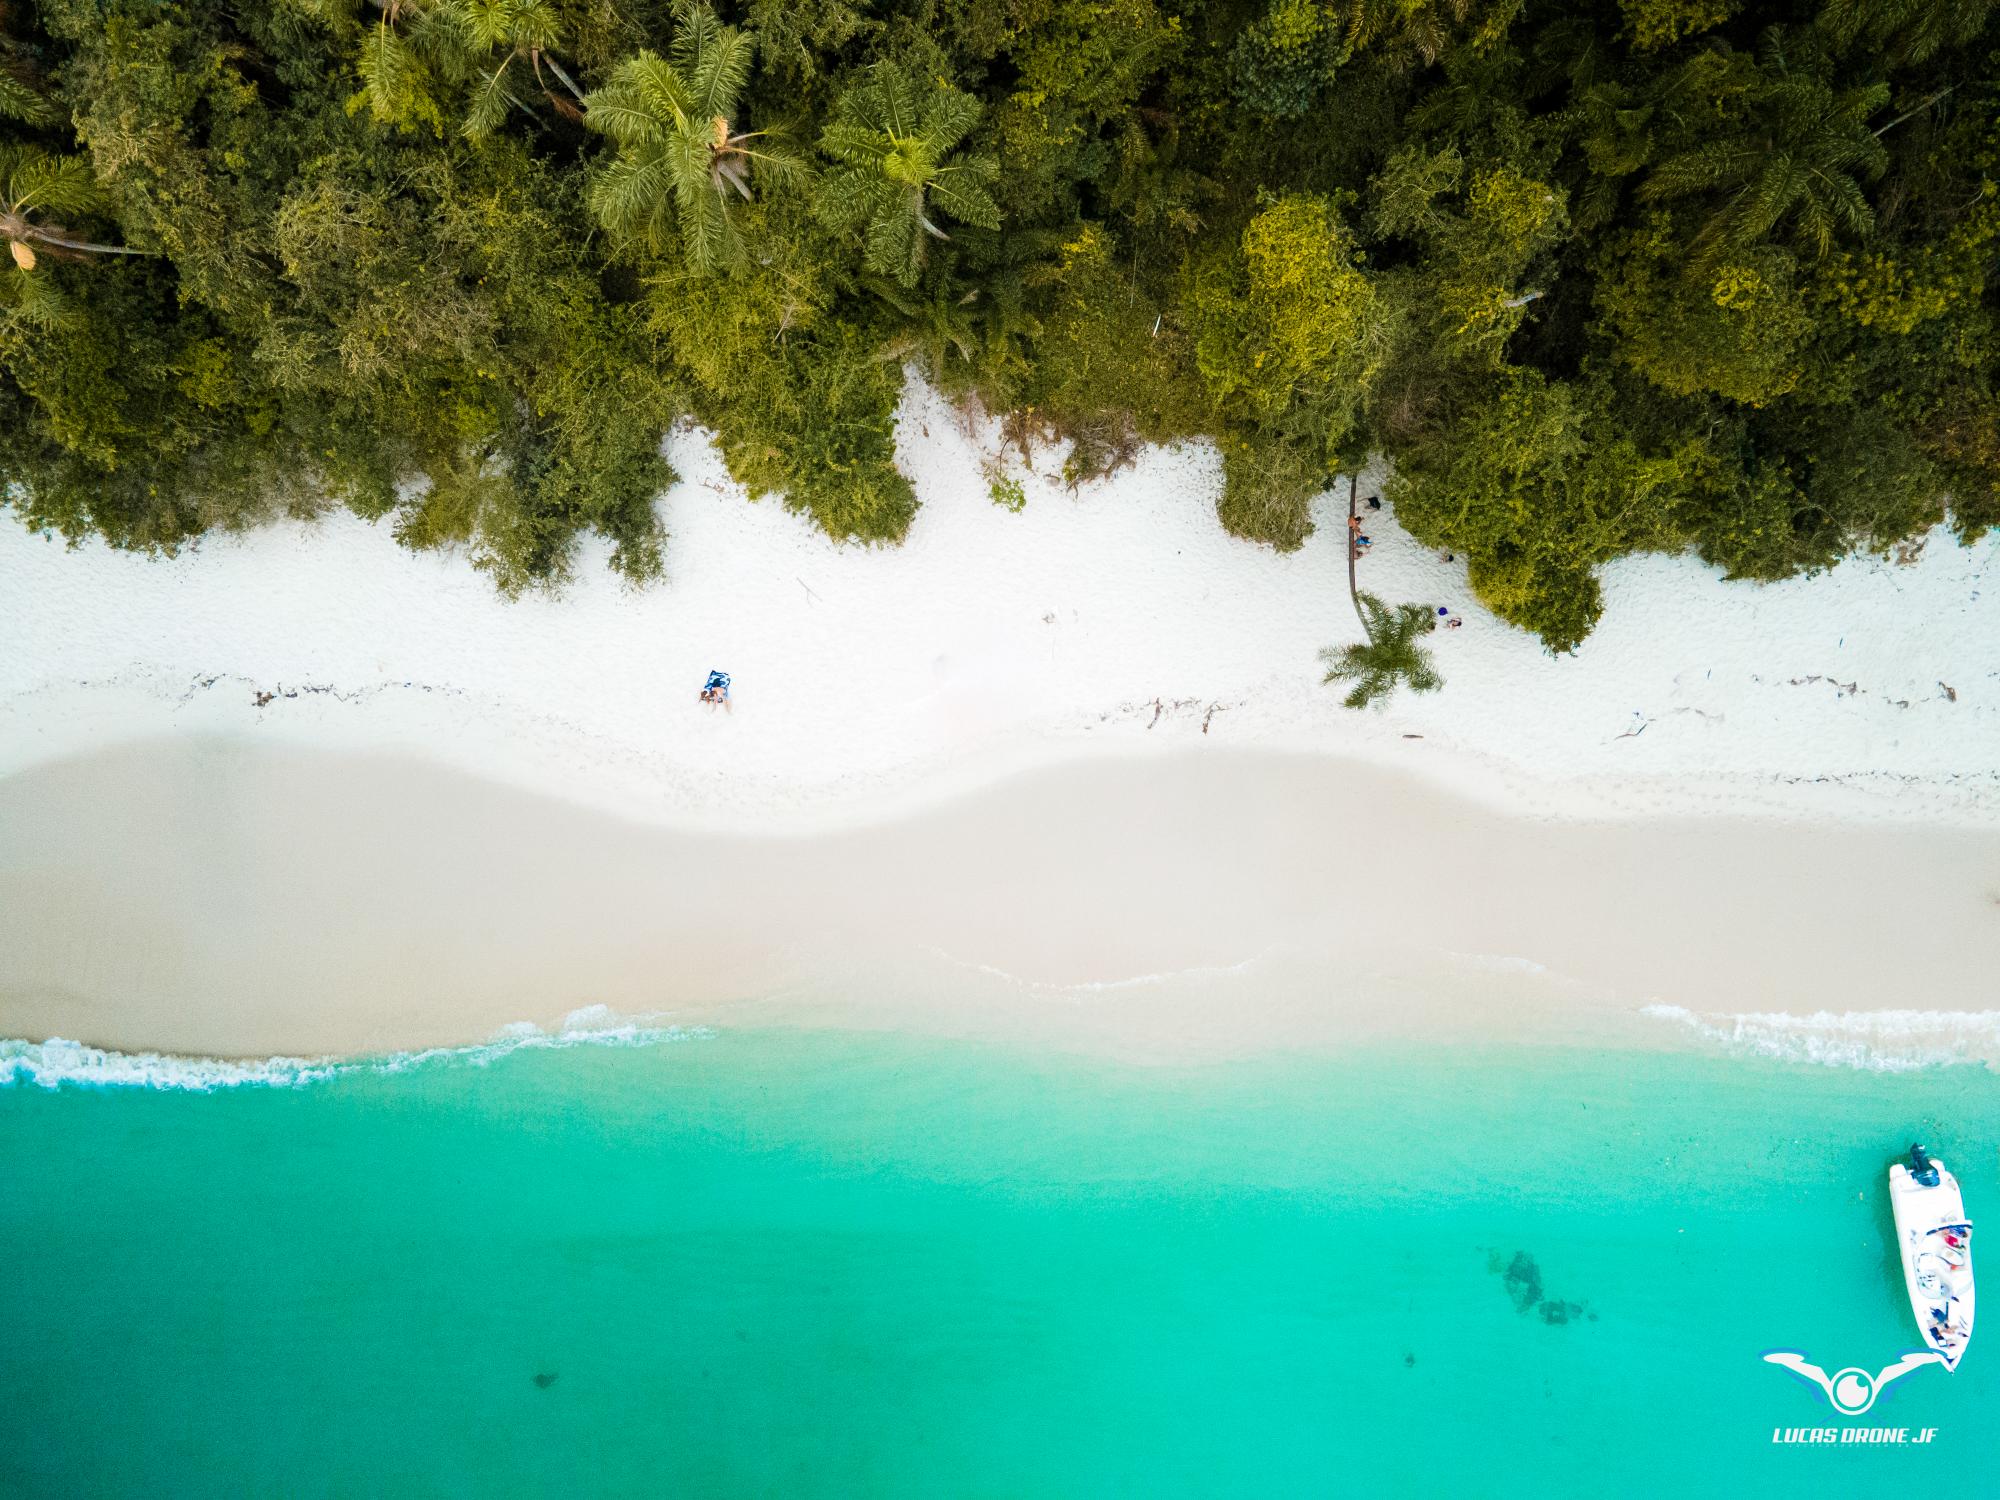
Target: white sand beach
x=1071, y=770
x=218, y=897
x=1117, y=620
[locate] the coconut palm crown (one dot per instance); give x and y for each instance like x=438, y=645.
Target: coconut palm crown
x=1388, y=657
x=1793, y=165
x=895, y=146
x=680, y=157
x=33, y=184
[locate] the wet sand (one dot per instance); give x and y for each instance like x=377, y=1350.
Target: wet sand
x=213, y=898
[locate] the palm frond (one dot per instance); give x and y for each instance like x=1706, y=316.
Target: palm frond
x=960, y=191
x=535, y=27
x=487, y=23
x=618, y=112
x=661, y=88
x=35, y=181
x=20, y=102
x=392, y=79
x=950, y=120
x=857, y=146
x=719, y=71
x=35, y=300
x=488, y=106
x=695, y=31
x=894, y=100
x=630, y=194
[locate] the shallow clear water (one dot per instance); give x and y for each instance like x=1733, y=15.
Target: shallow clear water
x=812, y=1264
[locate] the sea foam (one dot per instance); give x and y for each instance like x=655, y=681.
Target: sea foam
x=1881, y=1041
x=56, y=1062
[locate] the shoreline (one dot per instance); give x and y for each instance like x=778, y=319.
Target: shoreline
x=211, y=899
x=1066, y=777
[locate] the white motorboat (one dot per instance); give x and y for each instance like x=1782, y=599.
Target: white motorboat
x=1935, y=1238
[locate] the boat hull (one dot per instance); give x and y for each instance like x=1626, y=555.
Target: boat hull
x=1935, y=1240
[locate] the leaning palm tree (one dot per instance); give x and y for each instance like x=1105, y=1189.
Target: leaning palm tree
x=1389, y=656
x=679, y=156
x=34, y=183
x=898, y=164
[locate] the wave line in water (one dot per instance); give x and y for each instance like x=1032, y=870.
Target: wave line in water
x=1879, y=1041
x=1100, y=986
x=58, y=1061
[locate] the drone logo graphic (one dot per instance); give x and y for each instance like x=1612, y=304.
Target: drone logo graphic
x=1851, y=1391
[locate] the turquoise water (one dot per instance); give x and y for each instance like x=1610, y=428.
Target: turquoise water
x=809, y=1264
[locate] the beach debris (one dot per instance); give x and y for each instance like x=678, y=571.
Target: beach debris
x=1156, y=709
x=1950, y=692
x=1523, y=1280
x=546, y=1378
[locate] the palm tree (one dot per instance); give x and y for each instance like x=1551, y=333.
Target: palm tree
x=935, y=327
x=529, y=32
x=897, y=165
x=1796, y=165
x=32, y=182
x=1902, y=31
x=679, y=157
x=1389, y=656
x=419, y=47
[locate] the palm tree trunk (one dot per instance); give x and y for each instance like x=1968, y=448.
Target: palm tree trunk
x=1353, y=593
x=34, y=232
x=1911, y=114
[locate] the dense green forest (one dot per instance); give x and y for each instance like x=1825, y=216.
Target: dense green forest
x=1595, y=275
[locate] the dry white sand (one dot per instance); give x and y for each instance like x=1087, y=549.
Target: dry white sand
x=1111, y=621
x=212, y=897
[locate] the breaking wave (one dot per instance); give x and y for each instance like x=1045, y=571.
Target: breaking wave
x=1880, y=1041
x=57, y=1062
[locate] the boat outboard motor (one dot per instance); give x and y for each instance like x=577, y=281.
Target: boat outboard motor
x=1922, y=1172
